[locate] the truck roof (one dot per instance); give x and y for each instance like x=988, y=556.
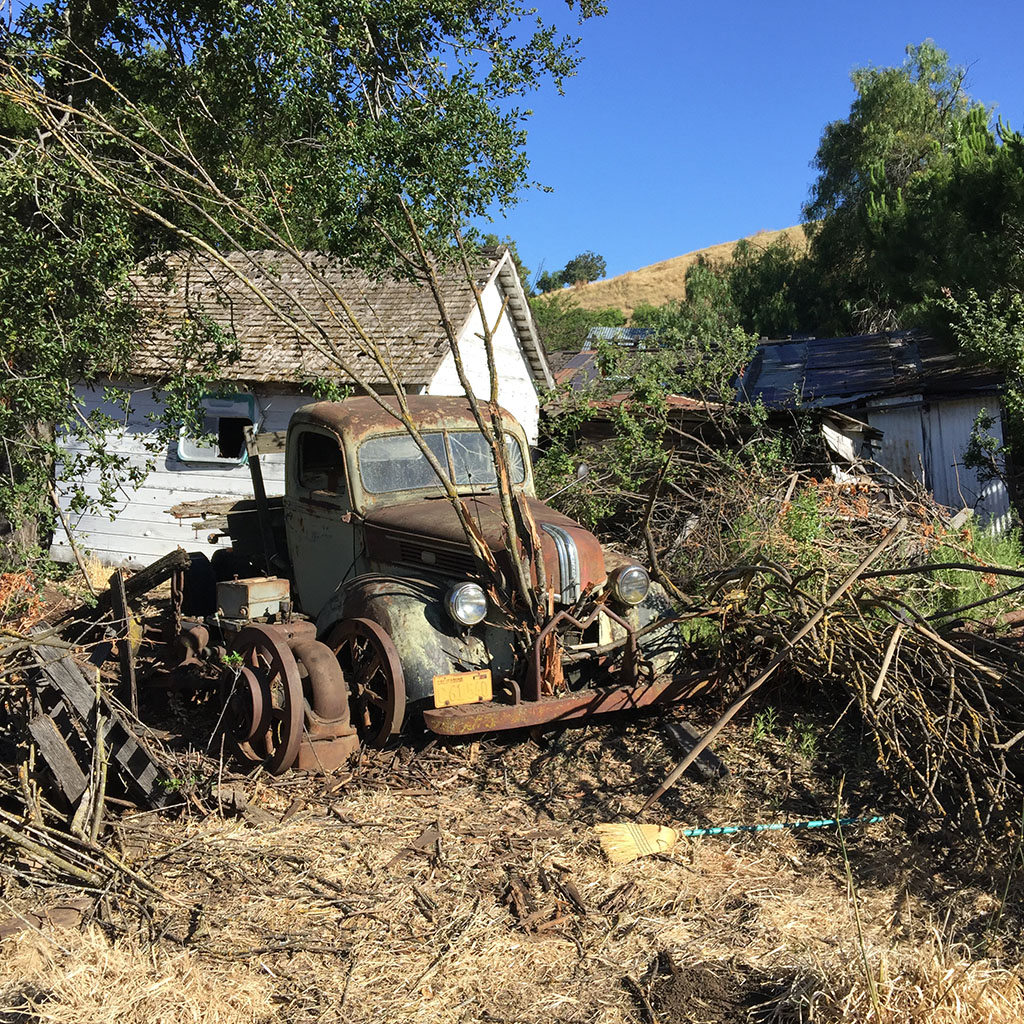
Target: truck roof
x=358, y=416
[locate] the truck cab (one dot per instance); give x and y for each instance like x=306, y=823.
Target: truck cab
x=380, y=562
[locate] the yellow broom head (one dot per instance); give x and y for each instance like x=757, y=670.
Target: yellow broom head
x=625, y=842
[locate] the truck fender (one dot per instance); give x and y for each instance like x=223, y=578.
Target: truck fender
x=411, y=611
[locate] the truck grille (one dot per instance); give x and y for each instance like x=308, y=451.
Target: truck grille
x=443, y=560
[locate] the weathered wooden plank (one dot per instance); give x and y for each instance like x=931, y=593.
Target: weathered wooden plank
x=140, y=772
x=138, y=769
x=271, y=442
x=215, y=506
x=58, y=757
x=260, y=494
x=63, y=672
x=146, y=579
x=125, y=650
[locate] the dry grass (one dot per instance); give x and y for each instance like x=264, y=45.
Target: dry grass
x=346, y=910
x=71, y=977
x=666, y=281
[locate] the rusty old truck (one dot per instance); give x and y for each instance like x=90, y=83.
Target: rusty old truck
x=354, y=607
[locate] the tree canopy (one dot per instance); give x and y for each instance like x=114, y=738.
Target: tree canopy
x=127, y=130
x=581, y=269
x=904, y=122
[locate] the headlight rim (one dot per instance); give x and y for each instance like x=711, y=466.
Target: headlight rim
x=616, y=584
x=455, y=591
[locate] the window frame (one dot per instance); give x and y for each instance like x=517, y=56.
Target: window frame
x=237, y=405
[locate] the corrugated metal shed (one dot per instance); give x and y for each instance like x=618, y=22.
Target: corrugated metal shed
x=626, y=337
x=833, y=372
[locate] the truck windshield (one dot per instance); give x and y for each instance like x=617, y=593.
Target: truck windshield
x=394, y=462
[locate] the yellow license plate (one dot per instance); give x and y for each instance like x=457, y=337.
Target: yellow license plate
x=462, y=688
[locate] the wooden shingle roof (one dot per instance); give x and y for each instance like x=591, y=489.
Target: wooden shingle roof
x=400, y=316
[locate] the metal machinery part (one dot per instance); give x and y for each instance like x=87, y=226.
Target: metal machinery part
x=288, y=705
x=374, y=674
x=328, y=739
x=266, y=699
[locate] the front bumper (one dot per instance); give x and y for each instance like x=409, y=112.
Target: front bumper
x=490, y=716
x=537, y=703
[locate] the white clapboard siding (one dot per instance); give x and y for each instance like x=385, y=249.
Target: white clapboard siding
x=517, y=390
x=142, y=529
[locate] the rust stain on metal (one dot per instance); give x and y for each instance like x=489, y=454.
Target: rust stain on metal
x=467, y=719
x=356, y=418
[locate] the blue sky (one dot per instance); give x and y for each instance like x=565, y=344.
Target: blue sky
x=691, y=124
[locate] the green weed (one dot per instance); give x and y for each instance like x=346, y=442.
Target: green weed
x=803, y=517
x=802, y=738
x=764, y=724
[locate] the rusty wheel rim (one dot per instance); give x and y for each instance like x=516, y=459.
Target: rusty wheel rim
x=375, y=680
x=272, y=696
x=245, y=710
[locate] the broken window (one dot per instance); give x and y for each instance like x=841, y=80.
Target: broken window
x=222, y=436
x=321, y=465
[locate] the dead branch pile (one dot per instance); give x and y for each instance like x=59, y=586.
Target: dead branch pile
x=921, y=645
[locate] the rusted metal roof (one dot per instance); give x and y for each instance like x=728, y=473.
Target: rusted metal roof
x=828, y=372
x=399, y=316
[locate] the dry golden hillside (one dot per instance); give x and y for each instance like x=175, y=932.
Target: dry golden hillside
x=662, y=282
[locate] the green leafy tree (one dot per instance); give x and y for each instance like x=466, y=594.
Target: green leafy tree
x=991, y=328
x=549, y=282
x=564, y=326
x=773, y=288
x=347, y=127
x=708, y=311
x=587, y=266
x=904, y=121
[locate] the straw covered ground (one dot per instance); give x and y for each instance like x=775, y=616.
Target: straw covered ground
x=465, y=883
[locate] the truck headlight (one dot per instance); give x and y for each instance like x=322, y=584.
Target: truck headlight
x=631, y=584
x=467, y=603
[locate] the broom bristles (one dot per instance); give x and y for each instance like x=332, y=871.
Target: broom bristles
x=625, y=841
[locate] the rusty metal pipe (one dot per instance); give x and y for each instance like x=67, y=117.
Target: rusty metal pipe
x=329, y=692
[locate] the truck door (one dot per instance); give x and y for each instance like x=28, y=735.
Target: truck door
x=320, y=542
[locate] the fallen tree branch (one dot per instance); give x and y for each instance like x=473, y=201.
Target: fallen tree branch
x=779, y=658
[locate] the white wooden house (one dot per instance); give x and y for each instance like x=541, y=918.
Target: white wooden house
x=274, y=373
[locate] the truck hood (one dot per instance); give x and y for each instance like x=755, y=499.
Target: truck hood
x=428, y=534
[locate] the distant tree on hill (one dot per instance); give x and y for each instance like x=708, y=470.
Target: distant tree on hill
x=587, y=266
x=549, y=282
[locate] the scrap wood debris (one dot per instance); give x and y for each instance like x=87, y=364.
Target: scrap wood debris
x=390, y=890
x=803, y=583
x=520, y=918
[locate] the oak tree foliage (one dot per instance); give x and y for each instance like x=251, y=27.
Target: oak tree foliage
x=327, y=122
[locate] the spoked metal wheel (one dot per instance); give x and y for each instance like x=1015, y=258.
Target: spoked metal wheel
x=265, y=706
x=375, y=680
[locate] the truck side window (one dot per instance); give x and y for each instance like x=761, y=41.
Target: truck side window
x=321, y=463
